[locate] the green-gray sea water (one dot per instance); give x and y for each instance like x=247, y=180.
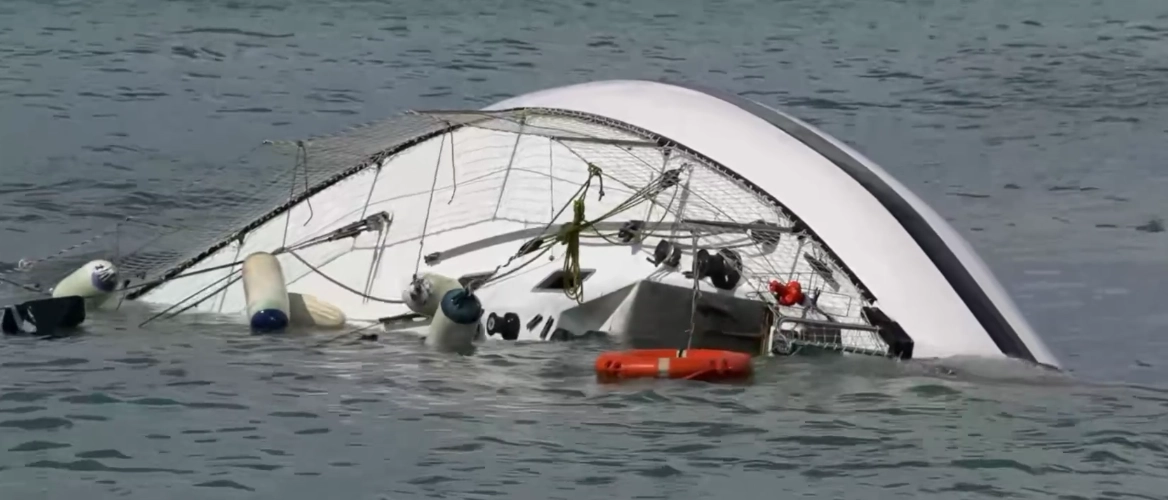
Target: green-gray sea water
x=1038, y=128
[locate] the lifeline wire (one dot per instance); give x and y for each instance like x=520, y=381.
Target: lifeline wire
x=429, y=205
x=342, y=285
x=570, y=233
x=300, y=148
x=350, y=230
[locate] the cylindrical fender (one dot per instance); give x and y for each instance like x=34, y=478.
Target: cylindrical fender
x=266, y=293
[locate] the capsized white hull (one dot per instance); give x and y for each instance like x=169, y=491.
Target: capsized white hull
x=461, y=192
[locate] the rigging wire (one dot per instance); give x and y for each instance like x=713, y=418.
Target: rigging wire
x=30, y=288
x=510, y=163
x=551, y=181
x=453, y=168
x=237, y=274
x=429, y=205
x=307, y=201
x=369, y=197
x=475, y=285
x=26, y=264
x=693, y=306
x=373, y=222
x=569, y=233
x=335, y=235
x=299, y=163
x=375, y=262
x=342, y=285
x=232, y=276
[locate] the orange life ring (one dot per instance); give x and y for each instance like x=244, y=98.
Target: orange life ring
x=693, y=364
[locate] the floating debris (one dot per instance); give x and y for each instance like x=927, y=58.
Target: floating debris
x=968, y=195
x=1155, y=225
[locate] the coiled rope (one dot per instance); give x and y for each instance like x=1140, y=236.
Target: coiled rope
x=570, y=237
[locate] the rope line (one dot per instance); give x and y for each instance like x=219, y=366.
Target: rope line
x=570, y=237
x=346, y=334
x=233, y=278
x=376, y=221
x=26, y=264
x=342, y=285
x=346, y=231
x=570, y=233
x=298, y=164
x=30, y=288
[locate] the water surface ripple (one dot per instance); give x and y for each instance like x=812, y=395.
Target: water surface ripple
x=1036, y=128
x=152, y=413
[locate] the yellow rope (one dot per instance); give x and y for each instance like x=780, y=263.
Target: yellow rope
x=570, y=237
x=570, y=232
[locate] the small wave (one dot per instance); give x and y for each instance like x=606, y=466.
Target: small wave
x=235, y=31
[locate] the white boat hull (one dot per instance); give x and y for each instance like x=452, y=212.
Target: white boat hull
x=468, y=185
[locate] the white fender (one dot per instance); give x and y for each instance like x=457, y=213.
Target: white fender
x=95, y=282
x=308, y=310
x=456, y=325
x=266, y=294
x=423, y=294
